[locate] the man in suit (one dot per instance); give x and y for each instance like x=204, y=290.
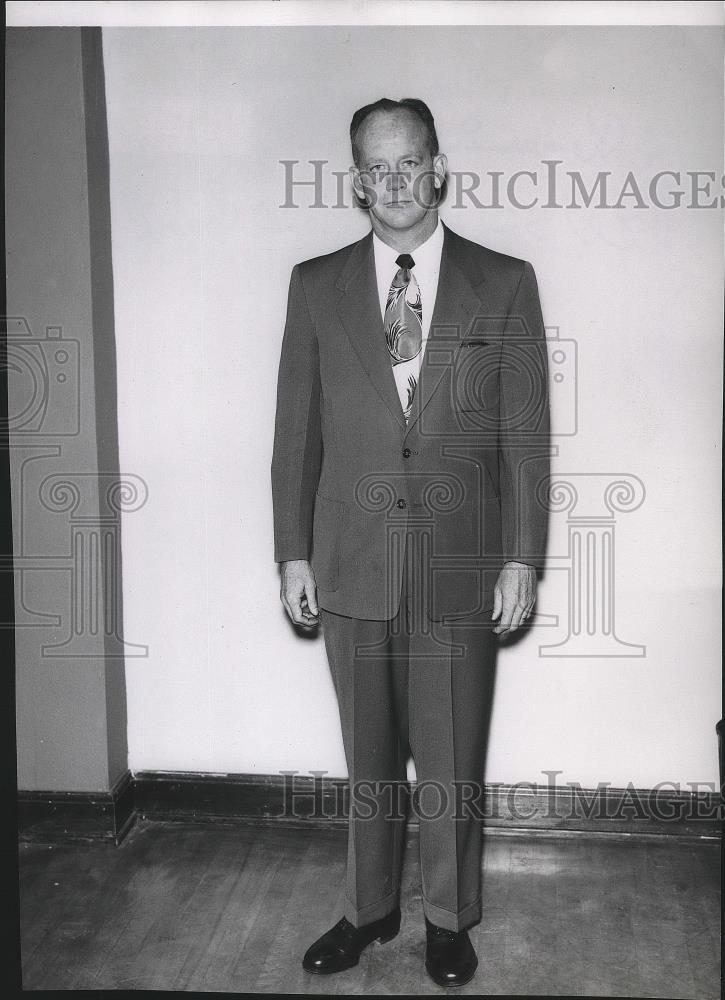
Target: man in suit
x=410, y=453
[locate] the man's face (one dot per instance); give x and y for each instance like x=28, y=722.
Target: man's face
x=395, y=175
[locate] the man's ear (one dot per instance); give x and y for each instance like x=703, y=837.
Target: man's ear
x=357, y=187
x=356, y=182
x=440, y=165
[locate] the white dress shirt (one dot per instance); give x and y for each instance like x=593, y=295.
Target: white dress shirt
x=427, y=259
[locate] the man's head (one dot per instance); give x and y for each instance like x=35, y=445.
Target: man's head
x=398, y=170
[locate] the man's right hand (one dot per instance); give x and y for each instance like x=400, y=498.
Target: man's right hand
x=299, y=593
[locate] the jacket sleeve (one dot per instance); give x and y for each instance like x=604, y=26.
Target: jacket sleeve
x=524, y=430
x=297, y=451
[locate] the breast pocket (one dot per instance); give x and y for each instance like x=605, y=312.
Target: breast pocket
x=327, y=528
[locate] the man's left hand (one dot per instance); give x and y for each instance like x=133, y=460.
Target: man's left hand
x=513, y=596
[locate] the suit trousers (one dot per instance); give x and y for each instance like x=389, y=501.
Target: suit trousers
x=412, y=685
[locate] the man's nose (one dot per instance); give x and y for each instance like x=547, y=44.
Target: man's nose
x=396, y=180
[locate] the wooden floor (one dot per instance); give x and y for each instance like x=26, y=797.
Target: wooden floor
x=232, y=909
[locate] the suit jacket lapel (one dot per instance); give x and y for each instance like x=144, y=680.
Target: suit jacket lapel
x=359, y=310
x=456, y=307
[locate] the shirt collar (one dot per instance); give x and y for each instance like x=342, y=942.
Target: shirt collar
x=429, y=250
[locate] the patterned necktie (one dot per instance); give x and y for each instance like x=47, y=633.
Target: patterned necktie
x=404, y=330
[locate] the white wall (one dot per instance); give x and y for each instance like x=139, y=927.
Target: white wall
x=198, y=121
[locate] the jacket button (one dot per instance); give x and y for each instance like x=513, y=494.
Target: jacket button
x=406, y=453
x=402, y=504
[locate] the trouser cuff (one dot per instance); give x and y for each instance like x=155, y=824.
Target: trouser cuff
x=449, y=920
x=373, y=911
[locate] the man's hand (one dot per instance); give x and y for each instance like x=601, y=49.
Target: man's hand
x=299, y=593
x=513, y=596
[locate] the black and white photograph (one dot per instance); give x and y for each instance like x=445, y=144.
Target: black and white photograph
x=363, y=547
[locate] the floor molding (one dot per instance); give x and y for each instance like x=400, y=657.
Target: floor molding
x=295, y=799
x=60, y=816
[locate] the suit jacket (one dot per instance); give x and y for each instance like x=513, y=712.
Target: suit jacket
x=465, y=476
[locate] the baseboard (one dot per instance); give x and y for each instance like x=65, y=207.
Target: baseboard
x=71, y=816
x=311, y=800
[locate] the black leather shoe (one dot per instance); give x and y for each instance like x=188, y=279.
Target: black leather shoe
x=449, y=956
x=342, y=946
